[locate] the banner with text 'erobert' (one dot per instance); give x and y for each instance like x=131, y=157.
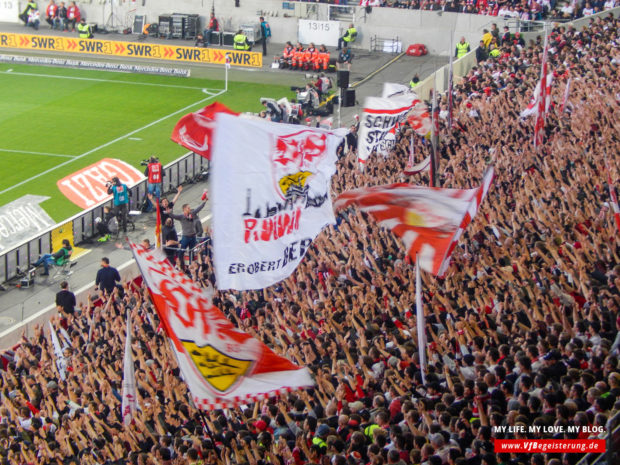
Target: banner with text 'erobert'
x=270, y=192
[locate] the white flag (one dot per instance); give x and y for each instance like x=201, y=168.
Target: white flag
x=61, y=363
x=393, y=89
x=129, y=405
x=270, y=190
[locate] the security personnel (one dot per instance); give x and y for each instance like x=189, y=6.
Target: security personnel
x=31, y=5
x=462, y=48
x=319, y=438
x=240, y=41
x=155, y=175
x=415, y=80
x=494, y=51
x=348, y=37
x=84, y=30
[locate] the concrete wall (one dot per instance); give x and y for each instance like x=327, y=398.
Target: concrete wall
x=410, y=26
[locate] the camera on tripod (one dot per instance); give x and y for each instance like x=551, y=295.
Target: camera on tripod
x=149, y=160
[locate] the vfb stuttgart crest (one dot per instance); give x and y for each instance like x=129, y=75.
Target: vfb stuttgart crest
x=221, y=371
x=294, y=160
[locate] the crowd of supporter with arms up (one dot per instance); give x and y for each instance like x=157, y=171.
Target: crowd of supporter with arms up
x=523, y=330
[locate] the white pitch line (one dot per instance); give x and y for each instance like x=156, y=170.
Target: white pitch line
x=38, y=153
x=78, y=78
x=36, y=176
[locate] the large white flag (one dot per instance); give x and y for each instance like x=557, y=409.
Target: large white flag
x=129, y=404
x=222, y=366
x=270, y=190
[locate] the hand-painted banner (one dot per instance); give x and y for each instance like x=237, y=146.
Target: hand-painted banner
x=270, y=190
x=130, y=49
x=381, y=118
x=428, y=220
x=195, y=130
x=222, y=366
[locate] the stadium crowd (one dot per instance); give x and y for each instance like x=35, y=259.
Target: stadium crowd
x=523, y=10
x=522, y=331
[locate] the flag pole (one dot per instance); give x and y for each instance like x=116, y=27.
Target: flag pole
x=450, y=80
x=420, y=319
x=434, y=135
x=226, y=66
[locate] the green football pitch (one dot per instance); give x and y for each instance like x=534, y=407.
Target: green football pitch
x=55, y=121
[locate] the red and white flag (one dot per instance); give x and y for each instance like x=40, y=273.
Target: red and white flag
x=222, y=366
x=545, y=99
x=129, y=405
x=428, y=220
x=195, y=130
x=411, y=169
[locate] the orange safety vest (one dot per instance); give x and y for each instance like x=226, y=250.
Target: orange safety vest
x=324, y=57
x=310, y=55
x=288, y=52
x=298, y=55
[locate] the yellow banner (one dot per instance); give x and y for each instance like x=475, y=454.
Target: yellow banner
x=130, y=49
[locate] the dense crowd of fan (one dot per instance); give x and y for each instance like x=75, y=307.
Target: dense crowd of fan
x=523, y=330
x=523, y=10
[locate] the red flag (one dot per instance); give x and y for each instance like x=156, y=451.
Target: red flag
x=429, y=220
x=222, y=366
x=194, y=131
x=158, y=225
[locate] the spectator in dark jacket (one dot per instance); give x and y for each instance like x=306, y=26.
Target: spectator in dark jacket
x=65, y=299
x=107, y=276
x=481, y=53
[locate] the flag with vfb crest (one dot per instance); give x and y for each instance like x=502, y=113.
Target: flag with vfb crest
x=222, y=365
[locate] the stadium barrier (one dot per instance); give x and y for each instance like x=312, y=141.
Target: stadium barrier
x=113, y=48
x=184, y=169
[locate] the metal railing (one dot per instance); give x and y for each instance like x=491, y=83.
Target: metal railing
x=23, y=254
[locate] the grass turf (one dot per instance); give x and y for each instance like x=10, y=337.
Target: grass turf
x=89, y=115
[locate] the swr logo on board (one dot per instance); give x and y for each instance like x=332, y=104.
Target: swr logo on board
x=86, y=187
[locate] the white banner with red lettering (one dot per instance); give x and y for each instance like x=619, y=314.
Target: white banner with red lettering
x=383, y=116
x=270, y=190
x=222, y=366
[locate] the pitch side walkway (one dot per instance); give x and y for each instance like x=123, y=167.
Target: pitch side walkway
x=372, y=69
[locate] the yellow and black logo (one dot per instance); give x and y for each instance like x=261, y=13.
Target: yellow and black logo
x=218, y=369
